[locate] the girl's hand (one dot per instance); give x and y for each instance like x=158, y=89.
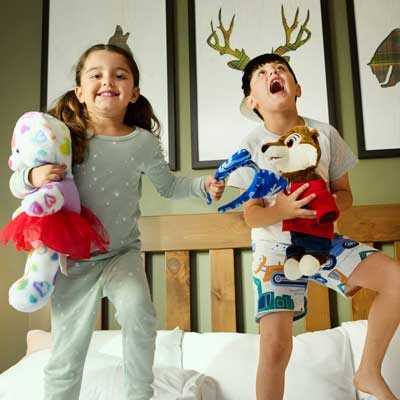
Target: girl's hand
x=214, y=188
x=290, y=206
x=39, y=176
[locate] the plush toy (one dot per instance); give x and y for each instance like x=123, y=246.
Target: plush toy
x=50, y=224
x=295, y=156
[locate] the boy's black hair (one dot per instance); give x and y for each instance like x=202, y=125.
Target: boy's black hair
x=256, y=63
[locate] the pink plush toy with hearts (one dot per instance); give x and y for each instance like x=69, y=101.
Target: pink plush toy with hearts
x=50, y=224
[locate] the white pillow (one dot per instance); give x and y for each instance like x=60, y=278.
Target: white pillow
x=168, y=348
x=356, y=330
x=103, y=380
x=229, y=358
x=320, y=365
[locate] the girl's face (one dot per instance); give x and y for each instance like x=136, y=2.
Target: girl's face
x=273, y=88
x=107, y=85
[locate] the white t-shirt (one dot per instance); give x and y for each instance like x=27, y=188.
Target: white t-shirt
x=336, y=160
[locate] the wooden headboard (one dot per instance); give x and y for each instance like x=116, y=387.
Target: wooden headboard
x=223, y=236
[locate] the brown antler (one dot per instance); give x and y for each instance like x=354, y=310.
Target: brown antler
x=300, y=41
x=213, y=41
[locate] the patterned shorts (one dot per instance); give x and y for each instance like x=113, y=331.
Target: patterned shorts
x=274, y=292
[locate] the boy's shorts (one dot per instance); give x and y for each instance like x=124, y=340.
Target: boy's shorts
x=274, y=292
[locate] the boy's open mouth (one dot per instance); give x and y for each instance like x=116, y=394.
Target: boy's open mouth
x=275, y=86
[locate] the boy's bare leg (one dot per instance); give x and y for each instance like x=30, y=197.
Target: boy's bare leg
x=275, y=348
x=382, y=274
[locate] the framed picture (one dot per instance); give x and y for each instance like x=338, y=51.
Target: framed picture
x=224, y=37
x=69, y=28
x=374, y=30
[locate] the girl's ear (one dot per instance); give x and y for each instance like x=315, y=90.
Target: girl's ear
x=135, y=94
x=79, y=94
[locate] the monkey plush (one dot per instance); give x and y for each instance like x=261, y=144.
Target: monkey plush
x=295, y=156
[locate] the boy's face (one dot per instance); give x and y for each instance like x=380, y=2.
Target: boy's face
x=272, y=88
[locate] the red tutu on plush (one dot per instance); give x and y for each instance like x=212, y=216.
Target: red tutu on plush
x=67, y=232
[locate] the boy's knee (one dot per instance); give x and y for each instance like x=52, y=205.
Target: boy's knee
x=275, y=349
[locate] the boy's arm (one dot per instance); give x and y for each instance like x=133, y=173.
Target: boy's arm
x=256, y=214
x=341, y=189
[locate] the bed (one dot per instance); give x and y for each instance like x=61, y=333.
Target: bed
x=220, y=364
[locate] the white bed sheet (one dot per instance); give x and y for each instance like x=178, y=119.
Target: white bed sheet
x=103, y=380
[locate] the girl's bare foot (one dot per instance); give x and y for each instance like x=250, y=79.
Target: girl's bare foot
x=374, y=384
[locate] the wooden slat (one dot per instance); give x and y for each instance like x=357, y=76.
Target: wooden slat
x=361, y=303
x=223, y=298
x=177, y=265
x=194, y=232
x=318, y=309
x=377, y=223
x=396, y=246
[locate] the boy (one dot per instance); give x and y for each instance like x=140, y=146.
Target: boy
x=271, y=91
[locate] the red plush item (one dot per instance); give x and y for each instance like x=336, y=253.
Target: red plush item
x=77, y=235
x=325, y=206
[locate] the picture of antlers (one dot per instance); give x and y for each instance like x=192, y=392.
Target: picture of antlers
x=241, y=58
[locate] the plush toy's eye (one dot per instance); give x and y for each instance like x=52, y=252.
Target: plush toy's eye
x=292, y=139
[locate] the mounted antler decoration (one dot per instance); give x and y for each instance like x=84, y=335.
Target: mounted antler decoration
x=241, y=58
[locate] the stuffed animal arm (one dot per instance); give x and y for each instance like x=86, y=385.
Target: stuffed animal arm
x=265, y=183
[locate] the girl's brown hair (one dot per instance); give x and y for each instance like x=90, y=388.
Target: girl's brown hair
x=74, y=114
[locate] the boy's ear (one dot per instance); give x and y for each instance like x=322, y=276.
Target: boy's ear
x=298, y=91
x=78, y=94
x=135, y=94
x=250, y=102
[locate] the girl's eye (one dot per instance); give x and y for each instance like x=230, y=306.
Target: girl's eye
x=95, y=76
x=120, y=76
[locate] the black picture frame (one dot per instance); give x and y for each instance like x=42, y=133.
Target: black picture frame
x=197, y=161
x=364, y=127
x=168, y=74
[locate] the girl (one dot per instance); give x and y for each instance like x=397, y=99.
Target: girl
x=114, y=134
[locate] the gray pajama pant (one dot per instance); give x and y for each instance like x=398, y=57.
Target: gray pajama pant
x=75, y=303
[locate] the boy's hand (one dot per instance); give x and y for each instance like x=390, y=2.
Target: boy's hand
x=44, y=174
x=214, y=188
x=292, y=207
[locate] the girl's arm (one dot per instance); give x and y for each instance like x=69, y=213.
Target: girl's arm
x=172, y=186
x=256, y=214
x=27, y=180
x=341, y=189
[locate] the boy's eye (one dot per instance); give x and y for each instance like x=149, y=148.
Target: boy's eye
x=95, y=76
